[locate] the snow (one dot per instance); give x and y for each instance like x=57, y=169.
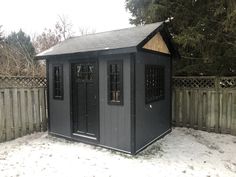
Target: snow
x=183, y=152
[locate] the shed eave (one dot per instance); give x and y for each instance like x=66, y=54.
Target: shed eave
x=132, y=49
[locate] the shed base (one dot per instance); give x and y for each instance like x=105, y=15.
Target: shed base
x=87, y=142
x=153, y=141
x=107, y=147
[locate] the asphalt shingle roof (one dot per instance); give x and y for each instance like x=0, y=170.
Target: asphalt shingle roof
x=123, y=38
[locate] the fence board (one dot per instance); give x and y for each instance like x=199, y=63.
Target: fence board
x=8, y=114
x=216, y=111
x=199, y=118
x=176, y=112
x=229, y=112
x=192, y=110
x=180, y=105
x=15, y=112
x=173, y=107
x=220, y=112
x=30, y=111
x=196, y=96
x=2, y=120
x=23, y=112
x=233, y=124
x=224, y=113
x=42, y=109
x=205, y=103
x=184, y=111
x=204, y=111
x=36, y=109
x=187, y=109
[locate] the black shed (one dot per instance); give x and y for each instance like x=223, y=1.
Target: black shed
x=112, y=89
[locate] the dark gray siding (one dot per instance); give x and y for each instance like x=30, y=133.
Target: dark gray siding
x=154, y=120
x=115, y=119
x=59, y=112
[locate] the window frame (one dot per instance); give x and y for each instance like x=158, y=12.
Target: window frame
x=160, y=71
x=61, y=84
x=119, y=63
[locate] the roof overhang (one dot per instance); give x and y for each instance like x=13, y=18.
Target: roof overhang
x=88, y=54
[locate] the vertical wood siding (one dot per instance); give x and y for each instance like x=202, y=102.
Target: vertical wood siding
x=115, y=120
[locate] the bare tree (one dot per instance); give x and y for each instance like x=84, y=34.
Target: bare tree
x=86, y=30
x=63, y=27
x=44, y=41
x=15, y=62
x=50, y=37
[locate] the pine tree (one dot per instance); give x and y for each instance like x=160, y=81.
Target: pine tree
x=22, y=42
x=205, y=31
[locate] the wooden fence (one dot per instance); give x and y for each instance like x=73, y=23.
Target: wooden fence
x=205, y=103
x=22, y=106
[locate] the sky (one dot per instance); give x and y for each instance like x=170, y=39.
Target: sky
x=33, y=16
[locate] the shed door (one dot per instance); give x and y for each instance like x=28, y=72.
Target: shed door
x=85, y=99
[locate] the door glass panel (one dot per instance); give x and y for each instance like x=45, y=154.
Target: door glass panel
x=78, y=69
x=85, y=72
x=90, y=72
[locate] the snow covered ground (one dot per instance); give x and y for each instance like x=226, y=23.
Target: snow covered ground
x=184, y=152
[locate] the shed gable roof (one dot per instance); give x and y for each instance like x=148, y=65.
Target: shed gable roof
x=110, y=40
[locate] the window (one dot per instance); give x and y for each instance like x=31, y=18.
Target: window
x=115, y=82
x=85, y=72
x=154, y=83
x=58, y=82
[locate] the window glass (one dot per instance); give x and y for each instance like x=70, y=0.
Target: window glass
x=115, y=82
x=85, y=72
x=58, y=82
x=154, y=83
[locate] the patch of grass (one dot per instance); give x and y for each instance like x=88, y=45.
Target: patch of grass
x=152, y=151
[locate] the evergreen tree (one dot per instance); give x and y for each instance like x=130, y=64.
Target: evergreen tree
x=22, y=42
x=205, y=31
